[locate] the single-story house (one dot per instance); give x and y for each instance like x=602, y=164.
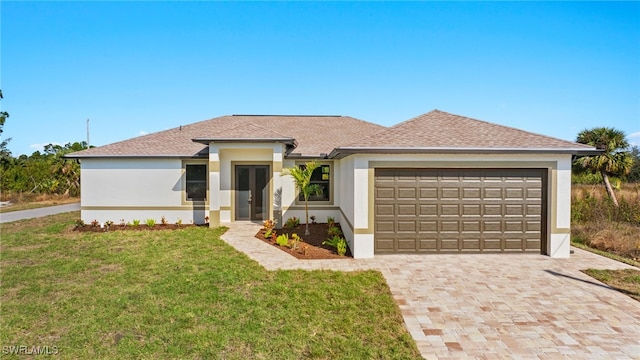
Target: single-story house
x=437, y=183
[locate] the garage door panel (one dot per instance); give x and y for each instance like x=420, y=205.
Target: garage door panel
x=405, y=193
x=449, y=226
x=406, y=244
x=492, y=178
x=492, y=209
x=408, y=177
x=534, y=193
x=513, y=244
x=450, y=209
x=448, y=244
x=385, y=210
x=471, y=210
x=471, y=193
x=407, y=226
x=450, y=193
x=428, y=244
x=533, y=244
x=492, y=244
x=449, y=176
x=468, y=210
x=407, y=209
x=385, y=226
x=532, y=226
x=386, y=193
x=470, y=244
x=428, y=210
x=428, y=193
x=492, y=226
x=533, y=209
x=428, y=226
x=472, y=226
x=470, y=175
x=427, y=177
x=514, y=210
x=493, y=193
x=513, y=226
x=384, y=244
x=514, y=193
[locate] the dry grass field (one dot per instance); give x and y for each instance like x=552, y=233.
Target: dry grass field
x=597, y=223
x=24, y=201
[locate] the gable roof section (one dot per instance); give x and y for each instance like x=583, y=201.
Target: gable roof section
x=438, y=131
x=313, y=135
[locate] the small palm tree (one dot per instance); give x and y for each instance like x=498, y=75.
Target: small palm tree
x=614, y=160
x=302, y=178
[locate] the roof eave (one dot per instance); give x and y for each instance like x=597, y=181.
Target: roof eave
x=137, y=156
x=341, y=152
x=207, y=141
x=298, y=156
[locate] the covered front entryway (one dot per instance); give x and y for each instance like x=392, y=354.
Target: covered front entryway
x=459, y=210
x=252, y=192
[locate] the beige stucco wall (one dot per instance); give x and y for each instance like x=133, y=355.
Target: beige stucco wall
x=115, y=189
x=291, y=206
x=225, y=156
x=558, y=202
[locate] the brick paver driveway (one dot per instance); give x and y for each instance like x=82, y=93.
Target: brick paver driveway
x=492, y=306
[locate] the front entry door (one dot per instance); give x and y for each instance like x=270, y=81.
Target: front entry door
x=252, y=192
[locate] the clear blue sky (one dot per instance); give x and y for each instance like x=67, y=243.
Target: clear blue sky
x=139, y=67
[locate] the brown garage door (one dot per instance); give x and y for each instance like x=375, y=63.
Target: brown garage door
x=443, y=210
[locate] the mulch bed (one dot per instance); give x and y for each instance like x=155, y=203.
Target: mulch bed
x=318, y=234
x=315, y=250
x=141, y=227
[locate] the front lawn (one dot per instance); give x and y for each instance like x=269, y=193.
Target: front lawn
x=626, y=281
x=182, y=294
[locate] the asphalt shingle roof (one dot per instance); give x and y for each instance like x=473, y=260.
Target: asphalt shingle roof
x=316, y=135
x=439, y=129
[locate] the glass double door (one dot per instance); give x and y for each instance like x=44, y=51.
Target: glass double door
x=252, y=192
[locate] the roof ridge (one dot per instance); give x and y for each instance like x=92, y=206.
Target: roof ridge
x=443, y=120
x=259, y=127
x=286, y=115
x=501, y=125
x=383, y=129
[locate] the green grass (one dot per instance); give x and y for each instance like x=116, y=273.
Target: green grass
x=580, y=245
x=183, y=294
x=626, y=281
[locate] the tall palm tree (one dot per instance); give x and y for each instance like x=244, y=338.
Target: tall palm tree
x=302, y=179
x=614, y=160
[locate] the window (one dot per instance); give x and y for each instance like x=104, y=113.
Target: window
x=196, y=184
x=321, y=176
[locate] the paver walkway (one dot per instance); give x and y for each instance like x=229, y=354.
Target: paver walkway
x=39, y=212
x=491, y=306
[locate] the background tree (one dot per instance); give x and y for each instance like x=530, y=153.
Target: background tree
x=5, y=154
x=613, y=161
x=47, y=172
x=302, y=179
x=634, y=174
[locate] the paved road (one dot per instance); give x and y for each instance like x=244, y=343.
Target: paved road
x=40, y=212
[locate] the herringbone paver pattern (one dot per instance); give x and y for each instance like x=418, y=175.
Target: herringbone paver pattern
x=491, y=306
